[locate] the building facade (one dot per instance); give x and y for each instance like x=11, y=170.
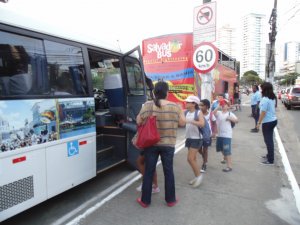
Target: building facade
x=291, y=58
x=253, y=44
x=226, y=40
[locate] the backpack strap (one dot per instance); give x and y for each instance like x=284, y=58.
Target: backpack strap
x=185, y=112
x=196, y=117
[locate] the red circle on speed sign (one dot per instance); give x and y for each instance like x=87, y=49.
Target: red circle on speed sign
x=205, y=57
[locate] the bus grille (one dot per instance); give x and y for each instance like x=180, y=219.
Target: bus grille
x=16, y=192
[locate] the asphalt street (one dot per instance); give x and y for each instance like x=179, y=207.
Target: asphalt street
x=251, y=194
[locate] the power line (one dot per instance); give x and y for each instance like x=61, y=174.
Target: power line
x=291, y=8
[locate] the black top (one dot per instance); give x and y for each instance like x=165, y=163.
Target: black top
x=236, y=95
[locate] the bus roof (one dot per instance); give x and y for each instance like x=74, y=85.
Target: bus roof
x=25, y=22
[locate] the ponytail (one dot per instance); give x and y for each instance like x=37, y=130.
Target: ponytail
x=160, y=92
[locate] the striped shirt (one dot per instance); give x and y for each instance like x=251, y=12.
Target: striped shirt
x=167, y=120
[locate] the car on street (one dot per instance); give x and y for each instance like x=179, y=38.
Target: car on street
x=292, y=98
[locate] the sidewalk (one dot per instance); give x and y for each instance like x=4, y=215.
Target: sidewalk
x=252, y=194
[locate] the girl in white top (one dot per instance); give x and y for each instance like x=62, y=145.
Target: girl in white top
x=193, y=136
x=224, y=136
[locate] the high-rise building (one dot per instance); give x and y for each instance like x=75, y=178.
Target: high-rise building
x=291, y=57
x=226, y=40
x=291, y=52
x=253, y=44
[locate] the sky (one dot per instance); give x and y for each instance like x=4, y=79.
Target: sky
x=125, y=23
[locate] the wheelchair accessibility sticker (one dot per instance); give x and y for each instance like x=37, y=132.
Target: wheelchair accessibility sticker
x=73, y=148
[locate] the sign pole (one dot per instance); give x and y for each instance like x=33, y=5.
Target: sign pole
x=205, y=56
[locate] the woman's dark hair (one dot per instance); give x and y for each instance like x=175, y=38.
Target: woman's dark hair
x=206, y=103
x=161, y=89
x=267, y=90
x=196, y=106
x=256, y=87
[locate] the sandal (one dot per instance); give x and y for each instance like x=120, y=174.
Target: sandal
x=227, y=169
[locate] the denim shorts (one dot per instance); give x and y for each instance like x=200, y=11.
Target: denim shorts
x=223, y=145
x=206, y=143
x=193, y=143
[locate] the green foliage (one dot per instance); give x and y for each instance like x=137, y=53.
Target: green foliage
x=251, y=72
x=288, y=79
x=251, y=77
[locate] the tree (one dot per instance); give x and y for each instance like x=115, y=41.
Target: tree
x=251, y=77
x=251, y=72
x=288, y=79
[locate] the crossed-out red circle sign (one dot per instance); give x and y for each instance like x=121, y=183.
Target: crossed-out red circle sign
x=205, y=57
x=204, y=15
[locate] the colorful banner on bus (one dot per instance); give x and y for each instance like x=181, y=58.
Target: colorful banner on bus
x=24, y=123
x=169, y=58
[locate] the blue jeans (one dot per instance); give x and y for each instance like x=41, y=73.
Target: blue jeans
x=255, y=113
x=268, y=131
x=151, y=157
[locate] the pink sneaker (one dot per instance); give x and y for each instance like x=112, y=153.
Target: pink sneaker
x=155, y=190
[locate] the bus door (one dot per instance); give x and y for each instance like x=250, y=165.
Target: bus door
x=110, y=108
x=136, y=96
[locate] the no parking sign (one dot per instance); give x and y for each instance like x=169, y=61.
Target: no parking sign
x=205, y=57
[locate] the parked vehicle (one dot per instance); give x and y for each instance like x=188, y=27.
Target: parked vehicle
x=292, y=97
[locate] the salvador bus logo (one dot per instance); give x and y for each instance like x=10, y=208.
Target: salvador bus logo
x=165, y=49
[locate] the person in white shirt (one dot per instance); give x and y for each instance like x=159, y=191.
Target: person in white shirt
x=224, y=136
x=193, y=136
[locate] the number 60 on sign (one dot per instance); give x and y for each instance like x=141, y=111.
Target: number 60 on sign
x=205, y=57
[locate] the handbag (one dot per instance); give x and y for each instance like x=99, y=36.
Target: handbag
x=147, y=134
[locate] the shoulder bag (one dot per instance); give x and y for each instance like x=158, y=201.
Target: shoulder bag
x=147, y=134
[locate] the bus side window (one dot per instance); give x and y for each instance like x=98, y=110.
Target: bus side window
x=66, y=69
x=17, y=56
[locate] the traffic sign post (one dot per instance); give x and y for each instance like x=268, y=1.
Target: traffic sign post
x=205, y=57
x=204, y=23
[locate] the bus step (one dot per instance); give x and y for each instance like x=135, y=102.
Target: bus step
x=107, y=164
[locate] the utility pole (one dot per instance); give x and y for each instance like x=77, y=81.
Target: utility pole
x=272, y=38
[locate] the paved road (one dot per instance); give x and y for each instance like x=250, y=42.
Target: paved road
x=251, y=194
x=289, y=129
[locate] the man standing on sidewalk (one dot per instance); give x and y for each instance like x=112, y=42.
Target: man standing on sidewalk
x=255, y=99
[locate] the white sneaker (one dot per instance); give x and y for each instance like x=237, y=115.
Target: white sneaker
x=155, y=190
x=198, y=181
x=139, y=188
x=192, y=181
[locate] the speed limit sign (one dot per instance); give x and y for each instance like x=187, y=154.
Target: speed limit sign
x=205, y=57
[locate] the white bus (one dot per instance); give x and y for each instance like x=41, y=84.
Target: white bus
x=64, y=104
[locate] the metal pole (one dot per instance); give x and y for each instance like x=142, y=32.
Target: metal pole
x=272, y=39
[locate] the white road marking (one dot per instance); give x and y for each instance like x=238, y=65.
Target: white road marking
x=288, y=170
x=110, y=193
